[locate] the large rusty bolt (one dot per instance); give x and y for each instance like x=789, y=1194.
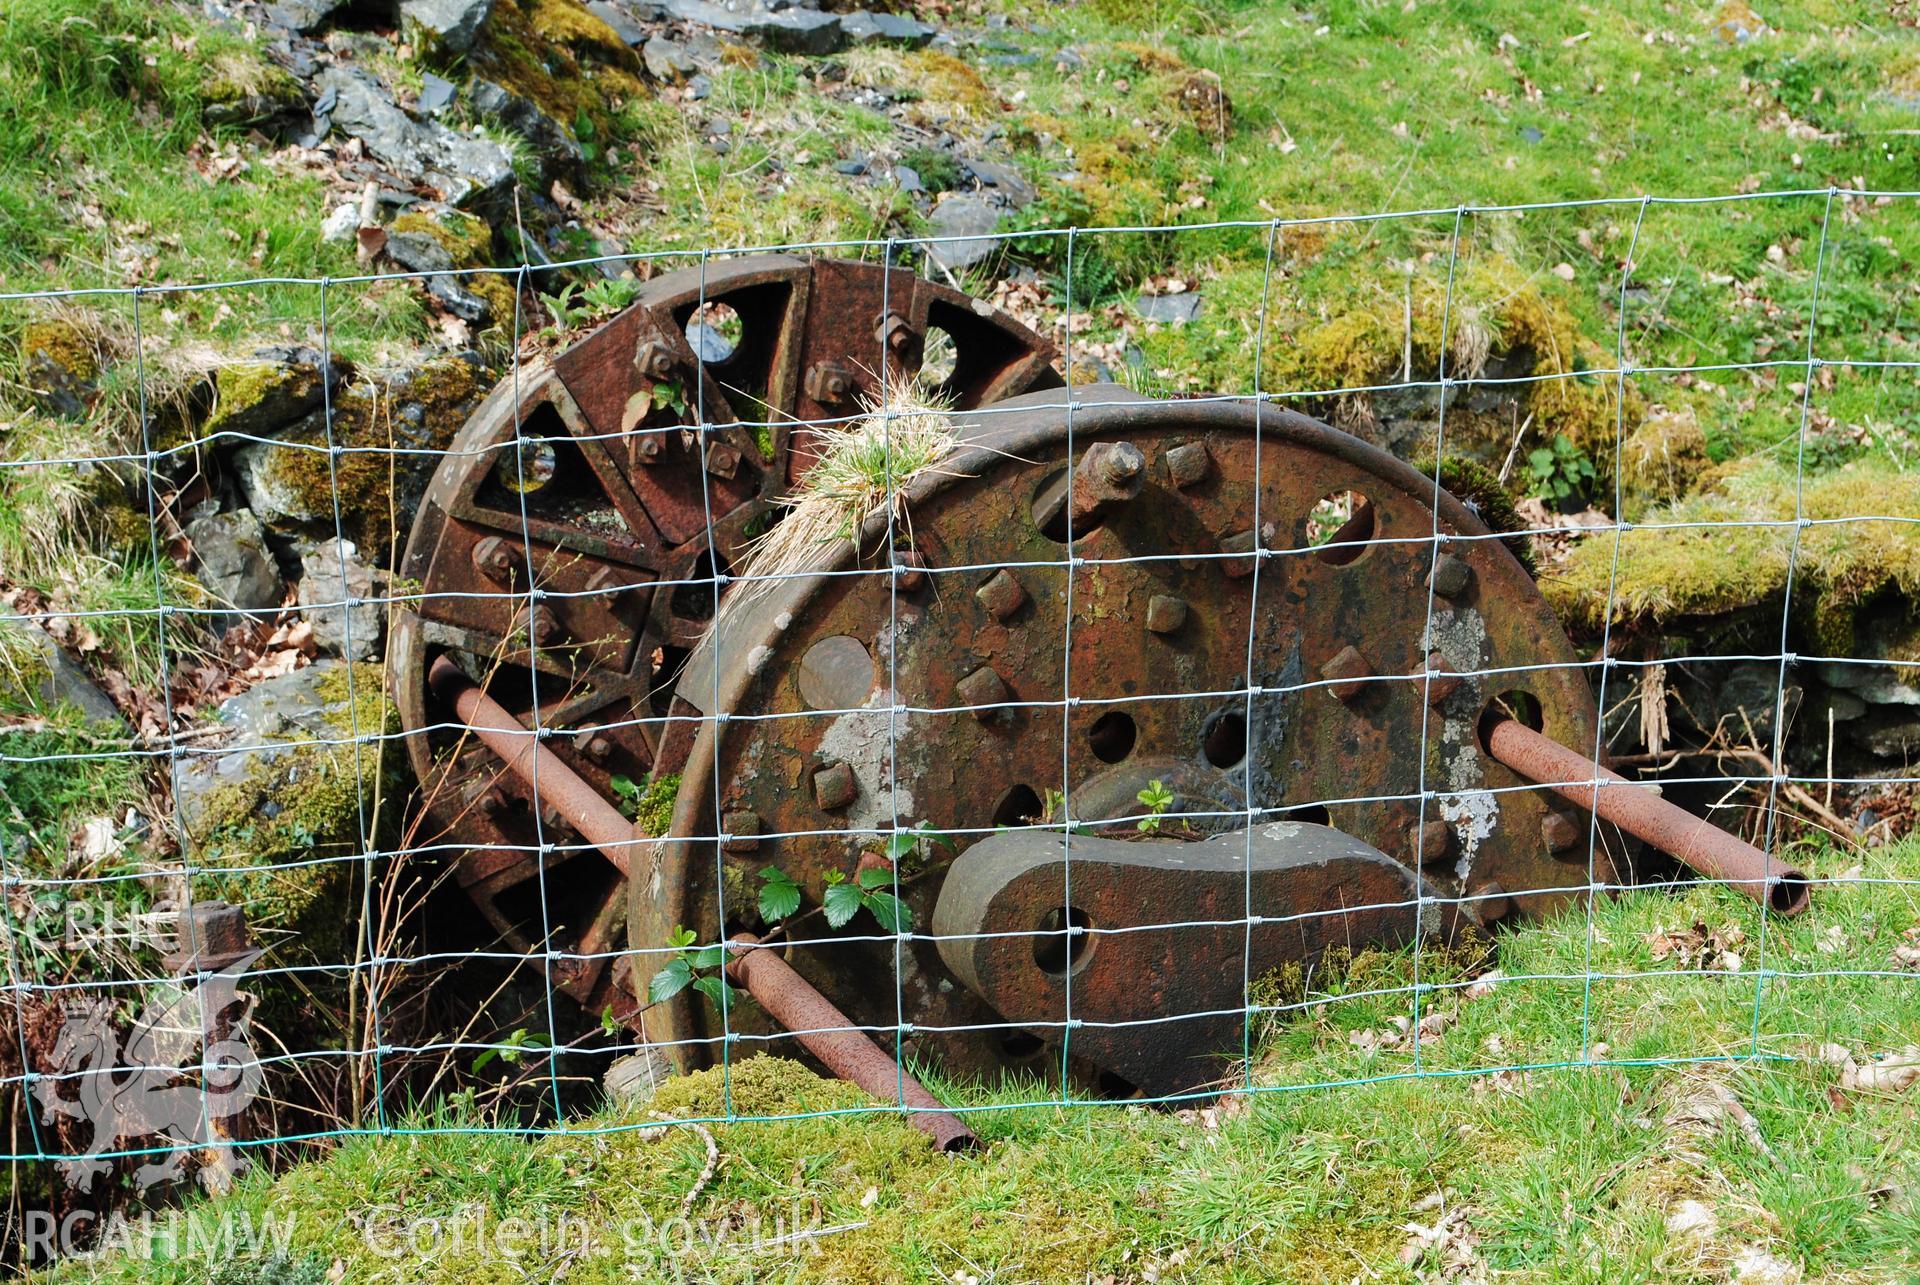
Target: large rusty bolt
x=1245, y=550
x=611, y=584
x=743, y=830
x=1002, y=595
x=1432, y=840
x=546, y=627
x=1346, y=672
x=1451, y=576
x=1166, y=613
x=1110, y=475
x=650, y=445
x=834, y=786
x=1441, y=679
x=723, y=460
x=493, y=558
x=1188, y=465
x=901, y=339
x=829, y=384
x=982, y=688
x=910, y=570
x=1560, y=832
x=655, y=360
x=1491, y=900
x=595, y=744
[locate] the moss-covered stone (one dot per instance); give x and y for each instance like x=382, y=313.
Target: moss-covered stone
x=569, y=63
x=308, y=773
x=467, y=240
x=256, y=397
x=244, y=92
x=61, y=362
x=292, y=487
x=1729, y=548
x=757, y=1085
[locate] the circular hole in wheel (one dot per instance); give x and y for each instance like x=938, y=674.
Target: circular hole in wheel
x=1021, y=1046
x=1522, y=707
x=1223, y=738
x=694, y=597
x=1059, y=947
x=1112, y=736
x=939, y=361
x=529, y=468
x=1018, y=806
x=714, y=332
x=1311, y=813
x=1340, y=526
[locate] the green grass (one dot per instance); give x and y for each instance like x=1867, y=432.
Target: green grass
x=1568, y=1172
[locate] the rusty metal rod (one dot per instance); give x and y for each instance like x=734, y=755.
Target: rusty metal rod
x=1700, y=844
x=558, y=785
x=848, y=1053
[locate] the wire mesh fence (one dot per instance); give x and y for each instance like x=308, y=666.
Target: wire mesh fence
x=1295, y=658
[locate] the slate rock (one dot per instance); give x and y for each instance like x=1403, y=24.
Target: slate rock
x=552, y=140
x=699, y=87
x=798, y=31
x=963, y=216
x=667, y=59
x=460, y=301
x=231, y=558
x=302, y=16
x=619, y=19
x=436, y=94
x=1004, y=179
x=707, y=14
x=865, y=28
x=908, y=179
x=1168, y=309
x=335, y=585
x=452, y=26
x=418, y=252
x=36, y=676
x=275, y=385
x=467, y=169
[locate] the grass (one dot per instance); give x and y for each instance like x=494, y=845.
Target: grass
x=1572, y=1172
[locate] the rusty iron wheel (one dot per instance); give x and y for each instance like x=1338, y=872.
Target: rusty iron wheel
x=948, y=699
x=603, y=510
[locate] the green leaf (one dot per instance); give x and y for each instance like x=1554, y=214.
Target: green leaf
x=841, y=903
x=607, y=1022
x=715, y=988
x=708, y=956
x=876, y=877
x=894, y=914
x=486, y=1056
x=901, y=844
x=681, y=938
x=624, y=786
x=670, y=981
x=778, y=900
x=833, y=877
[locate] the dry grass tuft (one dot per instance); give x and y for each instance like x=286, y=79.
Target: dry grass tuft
x=862, y=468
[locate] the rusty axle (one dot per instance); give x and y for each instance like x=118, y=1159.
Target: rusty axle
x=828, y=1034
x=558, y=785
x=1698, y=843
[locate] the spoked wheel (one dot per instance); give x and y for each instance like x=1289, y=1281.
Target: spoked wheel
x=562, y=555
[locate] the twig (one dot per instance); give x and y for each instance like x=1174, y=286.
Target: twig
x=713, y=1158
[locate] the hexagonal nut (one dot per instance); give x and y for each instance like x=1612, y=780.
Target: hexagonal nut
x=829, y=384
x=901, y=339
x=1344, y=673
x=723, y=460
x=1189, y=465
x=1561, y=833
x=1002, y=595
x=743, y=828
x=655, y=360
x=979, y=689
x=1450, y=577
x=835, y=786
x=1166, y=613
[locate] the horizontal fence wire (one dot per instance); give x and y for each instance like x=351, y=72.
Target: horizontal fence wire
x=373, y=965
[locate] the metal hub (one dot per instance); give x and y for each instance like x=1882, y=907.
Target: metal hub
x=602, y=510
x=1200, y=567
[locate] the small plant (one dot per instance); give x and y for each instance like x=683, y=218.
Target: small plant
x=920, y=841
x=779, y=894
x=578, y=305
x=1560, y=471
x=1156, y=799
x=649, y=805
x=699, y=968
x=845, y=897
x=512, y=1048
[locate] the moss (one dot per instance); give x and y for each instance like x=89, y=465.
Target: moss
x=1845, y=559
x=757, y=1085
x=257, y=397
x=1479, y=488
x=63, y=345
x=654, y=811
x=25, y=675
x=562, y=58
x=467, y=240
x=1663, y=457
